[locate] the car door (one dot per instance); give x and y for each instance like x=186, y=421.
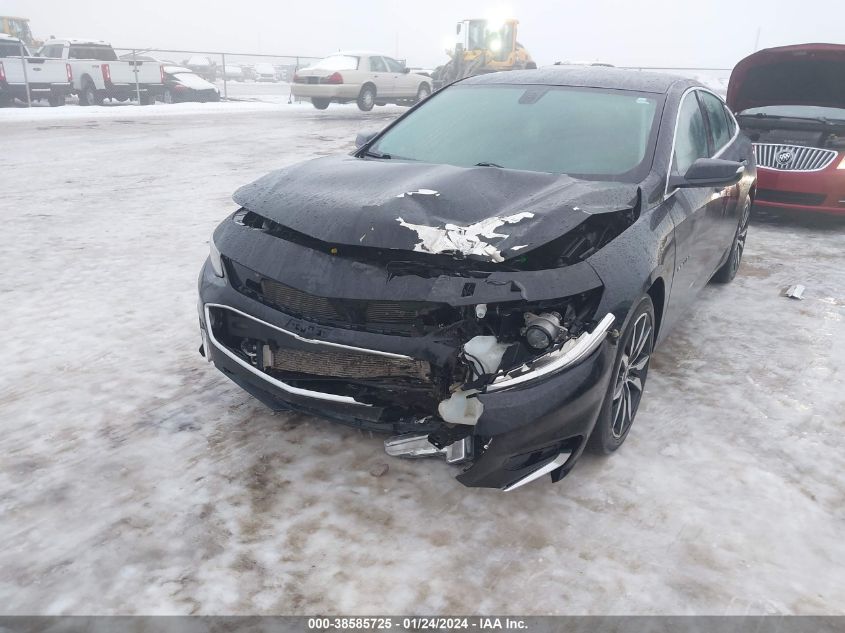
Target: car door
x=380, y=76
x=690, y=207
x=723, y=139
x=403, y=84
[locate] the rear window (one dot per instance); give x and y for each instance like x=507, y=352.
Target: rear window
x=11, y=49
x=338, y=62
x=100, y=53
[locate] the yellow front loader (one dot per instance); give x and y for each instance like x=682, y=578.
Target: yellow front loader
x=18, y=27
x=483, y=46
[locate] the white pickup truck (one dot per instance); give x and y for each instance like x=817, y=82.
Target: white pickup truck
x=99, y=74
x=48, y=79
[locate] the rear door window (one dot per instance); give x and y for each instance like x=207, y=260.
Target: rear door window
x=690, y=135
x=720, y=132
x=377, y=65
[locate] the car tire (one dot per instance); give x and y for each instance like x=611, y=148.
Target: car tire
x=56, y=100
x=728, y=270
x=367, y=98
x=320, y=104
x=627, y=381
x=423, y=92
x=6, y=101
x=90, y=95
x=147, y=98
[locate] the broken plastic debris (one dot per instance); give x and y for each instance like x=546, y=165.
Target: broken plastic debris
x=794, y=292
x=485, y=354
x=459, y=408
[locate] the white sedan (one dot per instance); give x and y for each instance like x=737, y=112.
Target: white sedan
x=364, y=77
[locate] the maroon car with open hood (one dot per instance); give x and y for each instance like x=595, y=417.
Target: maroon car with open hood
x=791, y=102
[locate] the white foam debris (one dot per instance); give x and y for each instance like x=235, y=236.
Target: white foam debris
x=419, y=192
x=463, y=239
x=461, y=408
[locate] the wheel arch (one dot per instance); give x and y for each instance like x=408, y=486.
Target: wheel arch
x=657, y=292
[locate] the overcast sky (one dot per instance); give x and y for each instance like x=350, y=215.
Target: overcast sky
x=715, y=33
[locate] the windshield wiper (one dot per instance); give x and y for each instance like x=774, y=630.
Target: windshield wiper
x=374, y=154
x=488, y=165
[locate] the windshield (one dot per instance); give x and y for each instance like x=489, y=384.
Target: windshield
x=338, y=62
x=798, y=111
x=583, y=132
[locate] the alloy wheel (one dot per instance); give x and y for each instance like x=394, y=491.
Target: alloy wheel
x=630, y=378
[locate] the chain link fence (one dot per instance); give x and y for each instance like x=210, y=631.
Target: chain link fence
x=267, y=77
x=237, y=76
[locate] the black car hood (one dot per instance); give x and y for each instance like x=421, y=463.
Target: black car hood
x=483, y=213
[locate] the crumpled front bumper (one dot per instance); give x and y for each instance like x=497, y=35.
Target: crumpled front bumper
x=523, y=427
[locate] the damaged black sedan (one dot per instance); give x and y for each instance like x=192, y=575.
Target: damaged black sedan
x=486, y=278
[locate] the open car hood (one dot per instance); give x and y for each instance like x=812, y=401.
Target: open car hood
x=482, y=213
x=802, y=74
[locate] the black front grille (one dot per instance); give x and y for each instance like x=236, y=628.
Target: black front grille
x=308, y=306
x=790, y=197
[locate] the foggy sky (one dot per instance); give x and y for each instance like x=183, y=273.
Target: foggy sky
x=715, y=33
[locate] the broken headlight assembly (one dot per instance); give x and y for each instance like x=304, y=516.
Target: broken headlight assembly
x=509, y=335
x=541, y=331
x=214, y=258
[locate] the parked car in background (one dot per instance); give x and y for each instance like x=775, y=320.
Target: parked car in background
x=99, y=74
x=49, y=79
x=357, y=76
x=487, y=277
x=202, y=66
x=233, y=72
x=248, y=71
x=265, y=72
x=791, y=102
x=180, y=84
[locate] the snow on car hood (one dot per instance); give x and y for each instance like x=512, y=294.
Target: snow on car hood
x=803, y=74
x=484, y=213
x=193, y=81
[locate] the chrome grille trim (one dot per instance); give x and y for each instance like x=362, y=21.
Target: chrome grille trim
x=802, y=158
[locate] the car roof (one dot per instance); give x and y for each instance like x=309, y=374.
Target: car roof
x=77, y=40
x=586, y=77
x=360, y=54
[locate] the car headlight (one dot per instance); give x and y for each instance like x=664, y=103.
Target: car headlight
x=214, y=258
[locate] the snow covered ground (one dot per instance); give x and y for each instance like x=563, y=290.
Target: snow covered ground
x=135, y=478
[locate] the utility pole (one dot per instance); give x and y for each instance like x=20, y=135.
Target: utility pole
x=757, y=41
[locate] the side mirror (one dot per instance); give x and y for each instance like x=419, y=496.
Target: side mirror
x=406, y=70
x=365, y=137
x=709, y=172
